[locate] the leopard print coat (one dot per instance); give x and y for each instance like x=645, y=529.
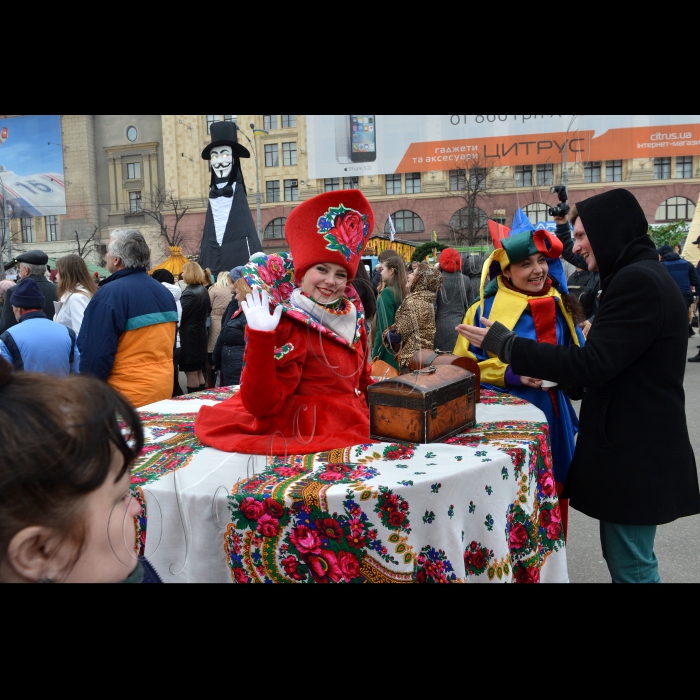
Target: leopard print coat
x=415, y=318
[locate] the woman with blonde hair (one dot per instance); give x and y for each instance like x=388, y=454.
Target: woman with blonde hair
x=220, y=297
x=193, y=327
x=75, y=289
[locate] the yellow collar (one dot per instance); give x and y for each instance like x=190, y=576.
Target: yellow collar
x=508, y=307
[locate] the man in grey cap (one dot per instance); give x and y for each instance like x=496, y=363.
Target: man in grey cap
x=32, y=265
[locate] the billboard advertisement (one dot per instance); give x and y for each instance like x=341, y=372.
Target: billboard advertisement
x=347, y=145
x=31, y=166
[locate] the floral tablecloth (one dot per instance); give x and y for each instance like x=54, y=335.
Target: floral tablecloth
x=480, y=508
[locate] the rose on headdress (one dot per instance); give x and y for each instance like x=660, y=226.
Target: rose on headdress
x=344, y=229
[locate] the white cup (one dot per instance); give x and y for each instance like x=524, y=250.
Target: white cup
x=547, y=384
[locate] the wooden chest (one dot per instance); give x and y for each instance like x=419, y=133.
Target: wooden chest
x=426, y=405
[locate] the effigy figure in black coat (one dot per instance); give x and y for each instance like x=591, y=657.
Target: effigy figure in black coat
x=229, y=237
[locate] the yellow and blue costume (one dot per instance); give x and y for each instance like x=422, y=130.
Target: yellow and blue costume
x=531, y=317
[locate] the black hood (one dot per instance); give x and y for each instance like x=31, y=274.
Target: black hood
x=670, y=257
x=618, y=231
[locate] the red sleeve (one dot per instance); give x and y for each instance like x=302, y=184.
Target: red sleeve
x=274, y=362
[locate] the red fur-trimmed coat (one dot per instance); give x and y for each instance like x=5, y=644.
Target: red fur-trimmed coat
x=299, y=382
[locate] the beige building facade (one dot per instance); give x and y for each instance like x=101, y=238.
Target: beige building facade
x=116, y=166
x=419, y=203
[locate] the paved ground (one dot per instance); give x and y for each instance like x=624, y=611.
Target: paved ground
x=677, y=544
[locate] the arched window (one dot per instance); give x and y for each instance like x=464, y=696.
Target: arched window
x=537, y=212
x=275, y=229
x=675, y=209
x=405, y=221
x=468, y=225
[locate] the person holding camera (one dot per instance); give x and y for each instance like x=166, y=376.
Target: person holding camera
x=565, y=218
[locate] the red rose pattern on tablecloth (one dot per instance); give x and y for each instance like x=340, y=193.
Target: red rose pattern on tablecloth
x=318, y=547
x=393, y=510
x=490, y=396
x=163, y=457
x=477, y=558
x=531, y=535
x=321, y=547
x=400, y=450
x=433, y=566
x=218, y=394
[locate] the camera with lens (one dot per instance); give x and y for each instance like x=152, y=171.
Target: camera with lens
x=562, y=209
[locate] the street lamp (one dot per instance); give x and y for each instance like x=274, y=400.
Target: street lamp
x=565, y=172
x=257, y=176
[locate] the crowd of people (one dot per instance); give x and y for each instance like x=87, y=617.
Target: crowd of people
x=300, y=333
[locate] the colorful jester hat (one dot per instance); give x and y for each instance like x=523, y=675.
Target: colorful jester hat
x=522, y=242
x=332, y=227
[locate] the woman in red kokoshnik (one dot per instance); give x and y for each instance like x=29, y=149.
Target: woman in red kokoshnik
x=306, y=363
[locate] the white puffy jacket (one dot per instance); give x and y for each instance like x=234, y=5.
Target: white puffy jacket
x=71, y=308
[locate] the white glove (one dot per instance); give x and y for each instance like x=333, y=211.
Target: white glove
x=256, y=308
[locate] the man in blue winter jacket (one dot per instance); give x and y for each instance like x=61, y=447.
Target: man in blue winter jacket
x=37, y=344
x=684, y=275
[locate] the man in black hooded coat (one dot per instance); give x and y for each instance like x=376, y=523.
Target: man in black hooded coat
x=633, y=467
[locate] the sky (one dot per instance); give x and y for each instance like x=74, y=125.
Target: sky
x=26, y=150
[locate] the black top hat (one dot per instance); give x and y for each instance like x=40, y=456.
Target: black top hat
x=224, y=134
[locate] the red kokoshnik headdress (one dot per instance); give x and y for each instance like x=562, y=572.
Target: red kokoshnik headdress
x=332, y=227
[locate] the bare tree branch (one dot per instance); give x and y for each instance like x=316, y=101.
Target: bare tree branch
x=160, y=204
x=475, y=183
x=89, y=245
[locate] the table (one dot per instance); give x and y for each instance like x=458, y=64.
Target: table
x=480, y=508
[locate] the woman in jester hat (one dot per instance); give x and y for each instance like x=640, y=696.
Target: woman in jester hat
x=531, y=298
x=306, y=363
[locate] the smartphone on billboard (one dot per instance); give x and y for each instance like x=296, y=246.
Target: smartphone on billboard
x=363, y=138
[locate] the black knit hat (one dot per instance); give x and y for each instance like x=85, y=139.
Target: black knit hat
x=28, y=295
x=163, y=275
